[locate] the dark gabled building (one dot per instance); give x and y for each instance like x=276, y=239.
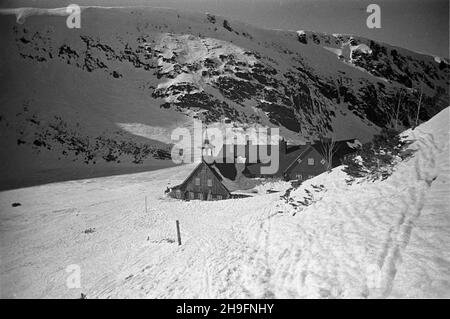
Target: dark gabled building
x=301, y=162
x=309, y=163
x=297, y=162
x=203, y=183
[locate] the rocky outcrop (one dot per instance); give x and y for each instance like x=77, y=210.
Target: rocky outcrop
x=245, y=78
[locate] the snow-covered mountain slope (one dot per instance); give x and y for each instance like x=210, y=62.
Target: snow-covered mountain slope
x=141, y=72
x=382, y=239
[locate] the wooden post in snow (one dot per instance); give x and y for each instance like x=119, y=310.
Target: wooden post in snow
x=146, y=204
x=178, y=233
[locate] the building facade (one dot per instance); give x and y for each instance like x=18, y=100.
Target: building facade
x=204, y=183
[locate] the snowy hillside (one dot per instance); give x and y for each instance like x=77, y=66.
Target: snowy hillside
x=383, y=239
x=132, y=75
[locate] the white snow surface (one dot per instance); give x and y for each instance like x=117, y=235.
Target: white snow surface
x=384, y=239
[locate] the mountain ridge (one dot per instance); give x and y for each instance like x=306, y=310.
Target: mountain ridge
x=143, y=72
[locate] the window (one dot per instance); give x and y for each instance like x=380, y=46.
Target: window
x=310, y=161
x=299, y=160
x=191, y=195
x=219, y=197
x=200, y=196
x=209, y=182
x=299, y=177
x=322, y=162
x=310, y=176
x=178, y=193
x=197, y=181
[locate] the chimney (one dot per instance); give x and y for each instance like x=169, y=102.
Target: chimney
x=283, y=146
x=247, y=149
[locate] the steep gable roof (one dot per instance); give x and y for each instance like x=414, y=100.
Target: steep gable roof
x=191, y=174
x=289, y=159
x=197, y=169
x=301, y=156
x=285, y=160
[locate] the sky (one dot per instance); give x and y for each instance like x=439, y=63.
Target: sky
x=419, y=25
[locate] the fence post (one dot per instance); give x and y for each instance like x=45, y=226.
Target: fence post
x=178, y=233
x=146, y=204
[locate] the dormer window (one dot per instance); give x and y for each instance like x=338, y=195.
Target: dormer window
x=311, y=161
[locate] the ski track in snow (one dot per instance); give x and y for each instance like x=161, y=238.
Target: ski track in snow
x=371, y=240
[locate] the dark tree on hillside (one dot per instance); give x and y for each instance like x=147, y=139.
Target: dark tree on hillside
x=377, y=159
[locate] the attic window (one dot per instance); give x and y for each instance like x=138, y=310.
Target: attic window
x=322, y=162
x=197, y=181
x=310, y=161
x=299, y=160
x=209, y=182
